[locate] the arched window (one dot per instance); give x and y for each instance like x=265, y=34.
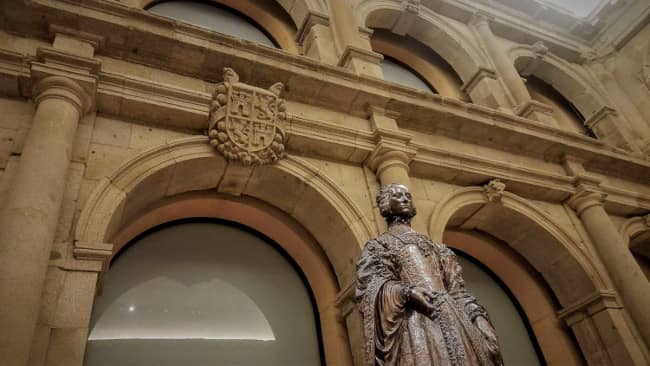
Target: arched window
x=203, y=293
x=396, y=72
x=513, y=330
x=411, y=63
x=214, y=17
x=565, y=113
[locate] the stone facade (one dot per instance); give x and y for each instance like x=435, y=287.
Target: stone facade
x=105, y=110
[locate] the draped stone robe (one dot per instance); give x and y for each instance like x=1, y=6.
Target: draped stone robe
x=397, y=335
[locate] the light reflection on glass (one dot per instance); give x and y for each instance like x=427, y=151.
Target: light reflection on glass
x=232, y=315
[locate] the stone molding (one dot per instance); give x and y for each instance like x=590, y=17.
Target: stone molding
x=95, y=40
x=480, y=74
x=599, y=115
x=127, y=96
x=352, y=52
x=345, y=300
x=312, y=19
x=531, y=107
x=591, y=305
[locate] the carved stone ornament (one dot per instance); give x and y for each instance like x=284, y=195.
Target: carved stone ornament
x=494, y=190
x=246, y=122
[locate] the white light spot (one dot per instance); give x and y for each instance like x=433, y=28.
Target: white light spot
x=131, y=308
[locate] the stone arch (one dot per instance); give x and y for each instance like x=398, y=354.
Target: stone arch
x=292, y=185
x=429, y=29
x=528, y=288
x=636, y=233
x=281, y=30
x=568, y=270
x=569, y=82
x=280, y=201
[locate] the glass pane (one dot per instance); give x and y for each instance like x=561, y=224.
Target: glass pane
x=514, y=339
x=398, y=74
x=202, y=294
x=212, y=17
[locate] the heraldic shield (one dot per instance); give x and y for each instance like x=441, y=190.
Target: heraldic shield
x=246, y=121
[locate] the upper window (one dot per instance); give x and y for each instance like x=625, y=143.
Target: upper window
x=411, y=63
x=566, y=114
x=203, y=293
x=214, y=17
x=397, y=73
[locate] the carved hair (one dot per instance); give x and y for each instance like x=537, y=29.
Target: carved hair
x=383, y=200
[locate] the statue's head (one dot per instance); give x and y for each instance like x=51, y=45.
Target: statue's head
x=395, y=202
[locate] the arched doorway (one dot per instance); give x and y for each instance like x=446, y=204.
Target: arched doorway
x=204, y=292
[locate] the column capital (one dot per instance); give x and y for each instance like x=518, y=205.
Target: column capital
x=383, y=158
x=588, y=194
x=63, y=88
x=59, y=74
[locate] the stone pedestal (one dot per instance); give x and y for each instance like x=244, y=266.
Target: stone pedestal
x=623, y=269
x=30, y=215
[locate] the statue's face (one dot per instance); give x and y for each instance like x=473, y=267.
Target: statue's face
x=401, y=202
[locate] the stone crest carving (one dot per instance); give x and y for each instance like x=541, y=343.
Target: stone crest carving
x=493, y=190
x=247, y=122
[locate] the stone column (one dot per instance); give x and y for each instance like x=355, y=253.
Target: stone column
x=523, y=104
x=30, y=214
x=623, y=269
x=640, y=131
x=502, y=63
x=355, y=52
x=390, y=159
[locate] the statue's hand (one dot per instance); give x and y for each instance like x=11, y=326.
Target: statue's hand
x=488, y=332
x=422, y=299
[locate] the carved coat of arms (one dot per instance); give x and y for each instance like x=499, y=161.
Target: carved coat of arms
x=246, y=122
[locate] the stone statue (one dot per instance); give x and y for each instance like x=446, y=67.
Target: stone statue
x=412, y=298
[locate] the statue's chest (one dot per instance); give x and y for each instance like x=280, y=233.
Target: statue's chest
x=416, y=262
